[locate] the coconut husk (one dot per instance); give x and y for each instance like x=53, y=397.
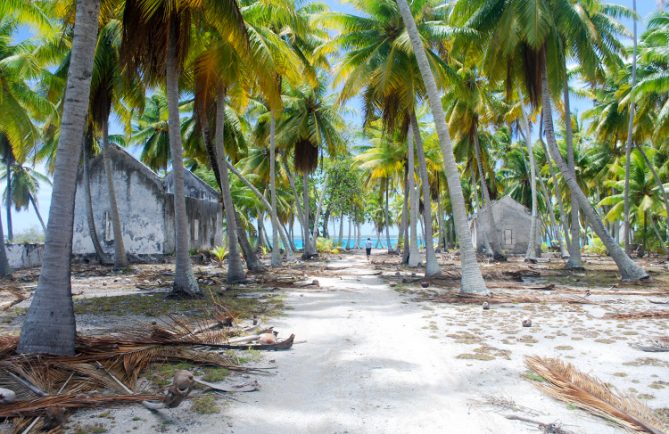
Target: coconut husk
x=565, y=383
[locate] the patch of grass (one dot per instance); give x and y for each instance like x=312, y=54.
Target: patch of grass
x=162, y=374
x=648, y=361
x=646, y=396
x=564, y=347
x=533, y=376
x=157, y=305
x=205, y=404
x=214, y=375
x=604, y=341
x=96, y=428
x=476, y=356
x=620, y=374
x=658, y=385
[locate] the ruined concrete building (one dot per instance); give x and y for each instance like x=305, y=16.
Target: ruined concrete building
x=146, y=206
x=512, y=226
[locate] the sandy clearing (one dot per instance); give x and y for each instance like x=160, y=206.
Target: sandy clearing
x=371, y=365
x=377, y=361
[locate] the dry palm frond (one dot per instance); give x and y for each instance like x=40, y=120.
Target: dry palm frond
x=566, y=383
x=646, y=314
x=39, y=406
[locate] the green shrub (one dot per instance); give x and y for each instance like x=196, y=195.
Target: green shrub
x=220, y=252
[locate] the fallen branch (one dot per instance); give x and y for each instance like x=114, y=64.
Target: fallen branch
x=647, y=314
x=39, y=406
x=244, y=387
x=658, y=345
x=547, y=428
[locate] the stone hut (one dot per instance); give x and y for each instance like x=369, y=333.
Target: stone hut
x=512, y=221
x=146, y=206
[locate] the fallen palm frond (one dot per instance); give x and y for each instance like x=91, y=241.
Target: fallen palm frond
x=39, y=406
x=566, y=383
x=503, y=298
x=645, y=314
x=657, y=345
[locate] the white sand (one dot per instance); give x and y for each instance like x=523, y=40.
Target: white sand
x=376, y=361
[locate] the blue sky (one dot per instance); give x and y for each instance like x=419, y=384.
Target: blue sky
x=27, y=219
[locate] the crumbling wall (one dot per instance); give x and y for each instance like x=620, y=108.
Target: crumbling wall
x=140, y=199
x=26, y=255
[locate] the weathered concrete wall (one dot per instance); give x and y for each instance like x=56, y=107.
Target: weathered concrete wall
x=512, y=226
x=140, y=199
x=205, y=222
x=24, y=255
x=146, y=207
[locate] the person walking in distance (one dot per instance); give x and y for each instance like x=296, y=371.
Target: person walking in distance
x=368, y=247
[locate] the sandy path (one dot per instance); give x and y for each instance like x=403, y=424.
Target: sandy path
x=366, y=367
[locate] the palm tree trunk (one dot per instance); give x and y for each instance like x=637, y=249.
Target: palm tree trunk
x=660, y=5
x=629, y=270
x=414, y=255
x=5, y=270
x=493, y=239
x=326, y=222
x=472, y=280
x=532, y=244
x=300, y=211
x=358, y=237
x=276, y=254
x=431, y=264
x=403, y=236
x=628, y=146
x=39, y=215
x=8, y=204
x=657, y=179
x=253, y=264
x=387, y=217
x=341, y=231
x=90, y=217
x=348, y=238
x=665, y=248
x=551, y=214
x=574, y=262
x=184, y=280
x=260, y=227
x=563, y=217
x=120, y=258
x=319, y=208
x=282, y=231
x=310, y=248
x=235, y=268
x=50, y=326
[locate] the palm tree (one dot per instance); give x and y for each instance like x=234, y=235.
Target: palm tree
x=380, y=64
x=217, y=69
x=463, y=105
x=50, y=325
x=311, y=122
x=383, y=159
x=539, y=45
x=630, y=133
x=643, y=194
x=26, y=183
x=107, y=85
x=156, y=41
x=472, y=280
